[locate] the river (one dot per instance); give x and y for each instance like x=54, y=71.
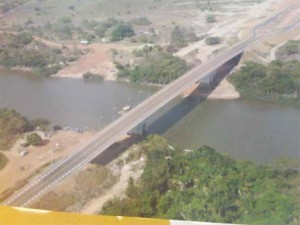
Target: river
x=244, y=129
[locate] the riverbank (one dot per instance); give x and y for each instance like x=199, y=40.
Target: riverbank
x=225, y=90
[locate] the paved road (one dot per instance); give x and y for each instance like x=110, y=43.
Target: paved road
x=112, y=133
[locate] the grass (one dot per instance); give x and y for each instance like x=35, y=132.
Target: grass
x=89, y=184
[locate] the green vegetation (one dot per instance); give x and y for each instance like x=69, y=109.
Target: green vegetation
x=121, y=31
x=112, y=29
x=146, y=50
x=181, y=36
x=141, y=21
x=62, y=29
x=211, y=18
x=41, y=124
x=177, y=37
x=3, y=160
x=13, y=126
x=7, y=5
x=101, y=28
x=92, y=77
x=213, y=40
x=144, y=38
x=289, y=51
x=156, y=67
x=66, y=20
x=203, y=185
x=68, y=28
x=89, y=184
x=33, y=139
x=291, y=47
x=277, y=81
x=22, y=50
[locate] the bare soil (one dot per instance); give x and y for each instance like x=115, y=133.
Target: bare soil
x=19, y=168
x=99, y=60
x=89, y=189
x=75, y=191
x=124, y=171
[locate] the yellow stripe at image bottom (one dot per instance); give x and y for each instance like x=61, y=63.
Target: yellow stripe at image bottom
x=22, y=216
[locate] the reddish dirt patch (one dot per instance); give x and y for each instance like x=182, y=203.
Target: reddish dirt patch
x=98, y=60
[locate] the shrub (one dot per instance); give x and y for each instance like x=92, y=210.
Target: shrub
x=57, y=127
x=12, y=126
x=157, y=67
x=33, y=139
x=177, y=37
x=213, y=40
x=141, y=21
x=121, y=31
x=291, y=47
x=210, y=18
x=46, y=71
x=94, y=77
x=272, y=82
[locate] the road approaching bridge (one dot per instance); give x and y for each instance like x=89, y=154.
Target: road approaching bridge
x=112, y=133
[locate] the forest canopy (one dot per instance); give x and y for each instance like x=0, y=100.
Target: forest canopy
x=14, y=125
x=203, y=185
x=21, y=50
x=278, y=81
x=156, y=67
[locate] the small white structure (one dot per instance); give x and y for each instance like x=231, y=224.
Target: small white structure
x=126, y=108
x=105, y=40
x=84, y=42
x=23, y=152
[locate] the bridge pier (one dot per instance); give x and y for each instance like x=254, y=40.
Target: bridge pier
x=212, y=79
x=141, y=130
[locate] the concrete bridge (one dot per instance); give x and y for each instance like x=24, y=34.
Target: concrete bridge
x=112, y=133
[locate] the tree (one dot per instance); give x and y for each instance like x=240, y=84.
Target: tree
x=121, y=31
x=158, y=67
x=291, y=47
x=277, y=81
x=100, y=31
x=213, y=40
x=131, y=190
x=177, y=37
x=12, y=126
x=33, y=139
x=204, y=185
x=93, y=77
x=141, y=21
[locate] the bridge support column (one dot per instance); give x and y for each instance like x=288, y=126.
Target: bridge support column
x=140, y=129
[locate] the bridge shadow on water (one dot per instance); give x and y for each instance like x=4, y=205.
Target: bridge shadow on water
x=173, y=115
x=161, y=121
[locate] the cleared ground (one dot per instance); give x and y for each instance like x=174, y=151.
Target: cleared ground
x=19, y=168
x=89, y=189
